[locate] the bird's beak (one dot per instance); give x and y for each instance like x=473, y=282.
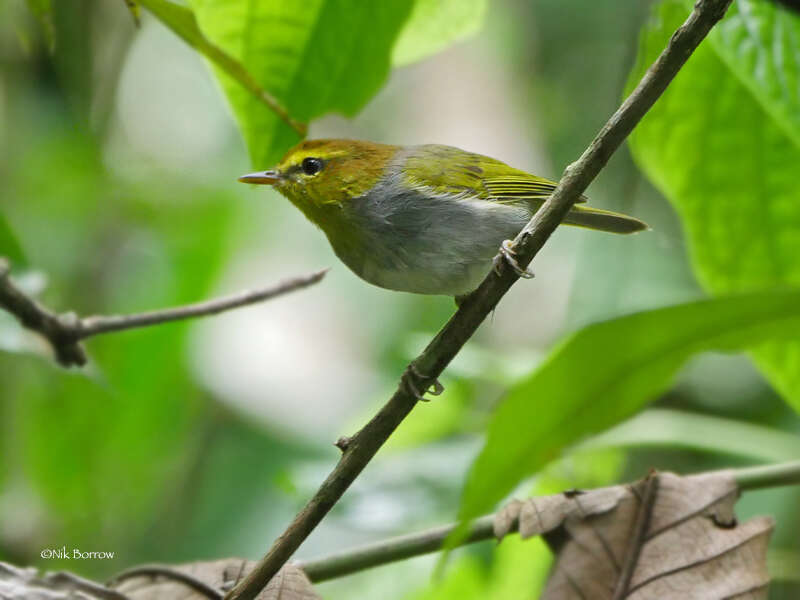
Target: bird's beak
x=262, y=177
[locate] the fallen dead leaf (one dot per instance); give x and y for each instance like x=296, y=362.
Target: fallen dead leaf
x=26, y=582
x=193, y=581
x=198, y=580
x=665, y=537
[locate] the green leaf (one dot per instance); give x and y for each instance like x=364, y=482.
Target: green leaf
x=9, y=246
x=314, y=57
x=723, y=144
x=674, y=429
x=43, y=11
x=759, y=43
x=605, y=373
x=182, y=22
x=466, y=580
x=434, y=24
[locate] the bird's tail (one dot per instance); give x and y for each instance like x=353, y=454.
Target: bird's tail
x=604, y=220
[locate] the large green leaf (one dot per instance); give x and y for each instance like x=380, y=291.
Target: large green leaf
x=723, y=144
x=314, y=57
x=435, y=24
x=605, y=373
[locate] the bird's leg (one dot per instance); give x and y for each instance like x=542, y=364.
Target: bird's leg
x=508, y=255
x=418, y=384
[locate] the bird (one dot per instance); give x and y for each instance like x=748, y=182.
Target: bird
x=426, y=219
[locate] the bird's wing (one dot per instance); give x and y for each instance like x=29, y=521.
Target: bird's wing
x=448, y=170
x=506, y=186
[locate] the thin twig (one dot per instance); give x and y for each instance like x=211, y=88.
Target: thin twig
x=95, y=325
x=431, y=540
x=474, y=309
x=65, y=331
x=391, y=550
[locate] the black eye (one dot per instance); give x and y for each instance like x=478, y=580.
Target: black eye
x=311, y=166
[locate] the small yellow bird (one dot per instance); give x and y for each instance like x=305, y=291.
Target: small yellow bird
x=424, y=219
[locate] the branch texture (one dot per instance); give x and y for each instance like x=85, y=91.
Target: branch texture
x=65, y=331
x=424, y=370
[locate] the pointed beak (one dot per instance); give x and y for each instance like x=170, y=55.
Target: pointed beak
x=261, y=177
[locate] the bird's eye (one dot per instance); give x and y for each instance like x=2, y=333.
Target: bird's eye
x=311, y=166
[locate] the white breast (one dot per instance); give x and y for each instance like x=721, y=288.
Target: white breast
x=426, y=244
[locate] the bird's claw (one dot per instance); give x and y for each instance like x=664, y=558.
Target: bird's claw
x=506, y=254
x=413, y=380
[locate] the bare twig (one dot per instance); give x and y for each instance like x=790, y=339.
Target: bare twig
x=391, y=550
x=431, y=540
x=65, y=331
x=90, y=326
x=474, y=309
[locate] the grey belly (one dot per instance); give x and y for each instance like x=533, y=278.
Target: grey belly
x=428, y=245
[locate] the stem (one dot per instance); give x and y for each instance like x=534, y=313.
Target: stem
x=474, y=309
x=756, y=478
x=391, y=550
x=431, y=540
x=64, y=331
x=104, y=324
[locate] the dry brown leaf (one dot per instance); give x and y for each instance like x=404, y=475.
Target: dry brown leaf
x=665, y=537
x=197, y=581
x=193, y=581
x=26, y=582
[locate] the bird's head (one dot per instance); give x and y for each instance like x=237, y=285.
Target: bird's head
x=321, y=174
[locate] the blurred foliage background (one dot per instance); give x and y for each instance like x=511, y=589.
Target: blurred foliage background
x=118, y=161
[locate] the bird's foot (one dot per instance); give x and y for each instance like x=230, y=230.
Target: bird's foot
x=506, y=254
x=417, y=384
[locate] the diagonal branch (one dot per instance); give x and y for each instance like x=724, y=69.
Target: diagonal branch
x=65, y=331
x=360, y=449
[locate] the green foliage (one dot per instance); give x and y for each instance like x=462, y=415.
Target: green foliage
x=99, y=448
x=182, y=22
x=675, y=429
x=723, y=144
x=43, y=11
x=435, y=24
x=518, y=570
x=139, y=438
x=466, y=580
x=605, y=373
x=313, y=57
x=9, y=246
